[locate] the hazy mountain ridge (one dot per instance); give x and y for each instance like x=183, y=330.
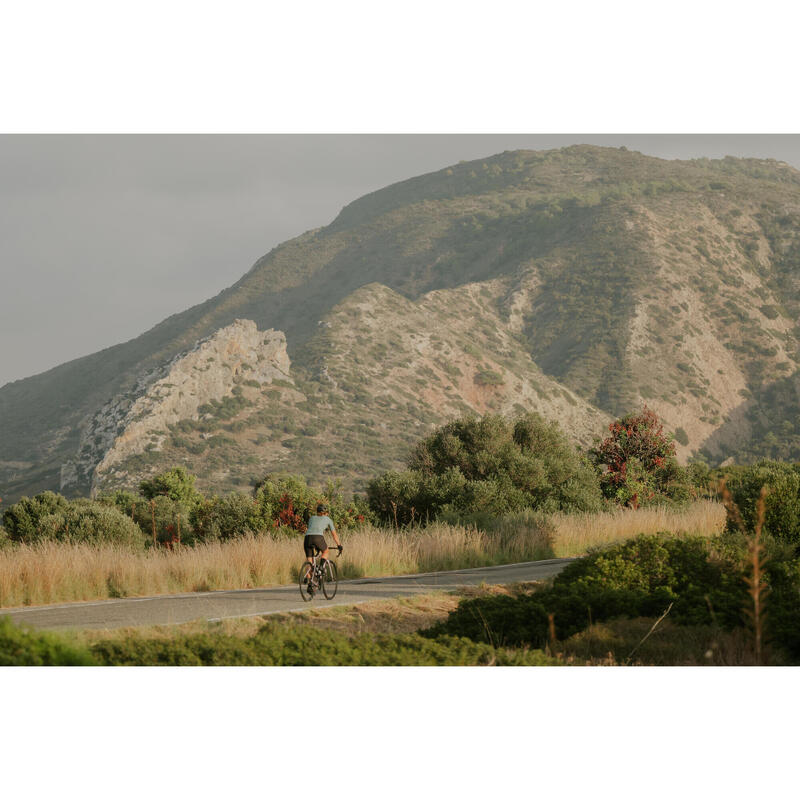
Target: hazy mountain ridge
x=592, y=278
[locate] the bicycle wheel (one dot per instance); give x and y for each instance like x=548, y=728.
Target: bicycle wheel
x=305, y=581
x=330, y=580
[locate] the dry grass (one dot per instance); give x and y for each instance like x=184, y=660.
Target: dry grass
x=57, y=572
x=565, y=535
x=610, y=644
x=576, y=533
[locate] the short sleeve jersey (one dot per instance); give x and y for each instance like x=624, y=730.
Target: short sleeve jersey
x=318, y=525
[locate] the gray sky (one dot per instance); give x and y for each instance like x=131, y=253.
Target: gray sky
x=102, y=237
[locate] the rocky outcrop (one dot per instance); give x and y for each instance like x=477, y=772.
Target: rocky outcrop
x=177, y=391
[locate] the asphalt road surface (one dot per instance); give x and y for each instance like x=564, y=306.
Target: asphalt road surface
x=174, y=609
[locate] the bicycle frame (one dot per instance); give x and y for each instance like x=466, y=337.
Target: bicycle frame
x=315, y=575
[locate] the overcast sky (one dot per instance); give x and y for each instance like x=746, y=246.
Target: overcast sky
x=102, y=237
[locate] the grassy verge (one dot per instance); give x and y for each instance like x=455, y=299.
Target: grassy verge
x=564, y=535
x=59, y=572
x=377, y=632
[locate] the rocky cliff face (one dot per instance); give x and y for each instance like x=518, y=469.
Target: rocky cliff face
x=233, y=360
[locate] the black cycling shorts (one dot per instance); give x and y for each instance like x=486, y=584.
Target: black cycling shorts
x=310, y=542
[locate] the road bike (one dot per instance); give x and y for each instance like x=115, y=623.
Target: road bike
x=315, y=576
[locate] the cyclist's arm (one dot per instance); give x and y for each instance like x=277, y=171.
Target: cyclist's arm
x=335, y=536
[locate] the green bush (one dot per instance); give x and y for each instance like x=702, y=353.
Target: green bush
x=21, y=520
x=20, y=647
x=123, y=500
x=639, y=578
x=177, y=484
x=491, y=465
x=287, y=501
x=488, y=377
x=227, y=517
x=298, y=645
x=50, y=516
x=169, y=515
x=782, y=518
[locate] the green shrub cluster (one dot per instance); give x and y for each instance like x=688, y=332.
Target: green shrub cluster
x=50, y=516
x=299, y=645
x=782, y=518
x=488, y=464
x=20, y=647
x=169, y=509
x=177, y=484
x=639, y=578
x=286, y=500
x=702, y=580
x=170, y=501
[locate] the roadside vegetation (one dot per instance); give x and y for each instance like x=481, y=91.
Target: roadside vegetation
x=51, y=572
x=666, y=598
x=477, y=492
x=652, y=600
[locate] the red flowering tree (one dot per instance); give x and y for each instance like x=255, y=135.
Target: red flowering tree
x=637, y=463
x=288, y=516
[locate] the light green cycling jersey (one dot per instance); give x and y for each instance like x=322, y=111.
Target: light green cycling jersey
x=318, y=525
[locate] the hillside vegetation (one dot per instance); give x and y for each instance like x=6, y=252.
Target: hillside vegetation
x=578, y=283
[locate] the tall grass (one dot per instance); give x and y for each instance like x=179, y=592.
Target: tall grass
x=576, y=533
x=54, y=572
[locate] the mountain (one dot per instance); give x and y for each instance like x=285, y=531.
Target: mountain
x=579, y=282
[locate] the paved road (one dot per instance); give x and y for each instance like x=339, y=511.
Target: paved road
x=177, y=608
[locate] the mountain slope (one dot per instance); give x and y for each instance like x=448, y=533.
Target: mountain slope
x=585, y=280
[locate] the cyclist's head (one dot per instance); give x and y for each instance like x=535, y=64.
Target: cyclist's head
x=322, y=508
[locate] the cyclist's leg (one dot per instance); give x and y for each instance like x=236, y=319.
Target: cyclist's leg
x=309, y=551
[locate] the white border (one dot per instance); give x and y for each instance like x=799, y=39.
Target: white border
x=390, y=67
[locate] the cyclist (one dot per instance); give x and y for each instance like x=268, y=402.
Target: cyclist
x=318, y=524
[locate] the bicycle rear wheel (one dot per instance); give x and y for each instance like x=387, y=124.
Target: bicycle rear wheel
x=330, y=580
x=306, y=573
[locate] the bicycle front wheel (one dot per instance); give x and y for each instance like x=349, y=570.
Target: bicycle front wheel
x=330, y=580
x=306, y=575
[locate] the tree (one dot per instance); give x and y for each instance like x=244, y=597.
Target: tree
x=177, y=484
x=637, y=463
x=489, y=464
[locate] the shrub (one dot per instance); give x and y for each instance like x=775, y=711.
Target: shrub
x=782, y=518
x=50, y=516
x=226, y=517
x=169, y=516
x=20, y=647
x=637, y=463
x=287, y=501
x=488, y=464
x=177, y=484
x=405, y=497
x=298, y=645
x=21, y=520
x=488, y=377
x=124, y=501
x=639, y=578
